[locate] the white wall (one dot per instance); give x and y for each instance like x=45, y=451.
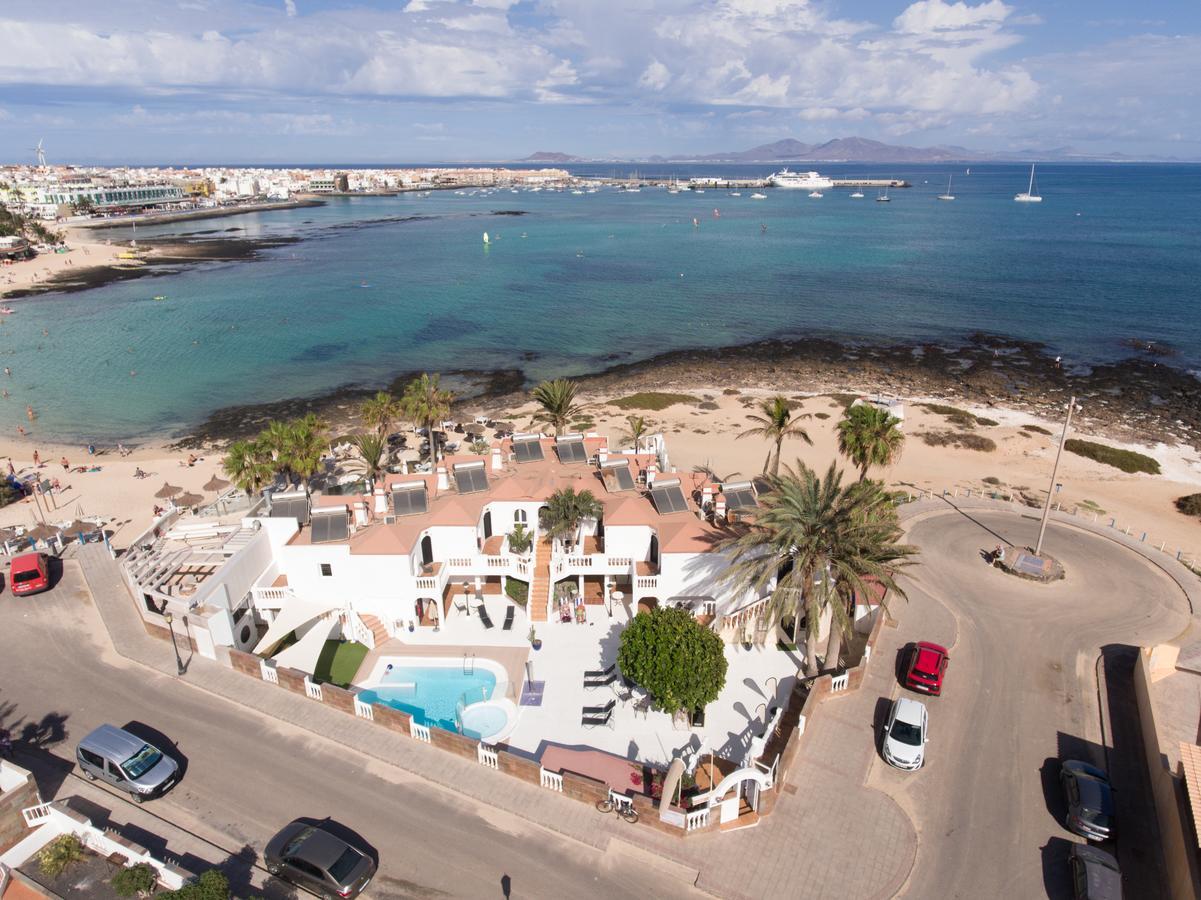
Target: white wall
x=633, y=541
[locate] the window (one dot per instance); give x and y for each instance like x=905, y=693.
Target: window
x=521, y=517
x=327, y=570
x=141, y=762
x=92, y=759
x=709, y=608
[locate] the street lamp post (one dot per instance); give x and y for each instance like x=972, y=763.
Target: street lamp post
x=1042, y=528
x=174, y=646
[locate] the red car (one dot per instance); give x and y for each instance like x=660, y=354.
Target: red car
x=927, y=665
x=28, y=574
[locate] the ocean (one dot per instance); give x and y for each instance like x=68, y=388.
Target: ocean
x=375, y=286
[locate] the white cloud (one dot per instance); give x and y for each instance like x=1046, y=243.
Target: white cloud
x=655, y=76
x=928, y=16
x=290, y=8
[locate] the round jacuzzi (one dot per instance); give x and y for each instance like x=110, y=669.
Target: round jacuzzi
x=489, y=721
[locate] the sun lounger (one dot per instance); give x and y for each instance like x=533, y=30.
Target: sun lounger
x=598, y=710
x=601, y=673
x=483, y=614
x=590, y=683
x=508, y=626
x=597, y=720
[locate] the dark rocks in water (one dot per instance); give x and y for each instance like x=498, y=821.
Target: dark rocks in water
x=1151, y=348
x=508, y=212
x=529, y=355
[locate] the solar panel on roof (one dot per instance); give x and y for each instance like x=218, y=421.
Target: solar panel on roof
x=470, y=478
x=529, y=450
x=625, y=481
x=740, y=495
x=291, y=507
x=409, y=500
x=667, y=496
x=328, y=527
x=617, y=475
x=571, y=451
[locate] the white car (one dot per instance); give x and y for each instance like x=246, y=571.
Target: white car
x=904, y=743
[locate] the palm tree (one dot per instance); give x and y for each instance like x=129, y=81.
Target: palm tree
x=479, y=446
x=426, y=403
x=565, y=510
x=869, y=436
x=277, y=439
x=380, y=411
x=373, y=454
x=812, y=545
x=775, y=424
x=307, y=445
x=638, y=428
x=249, y=464
x=557, y=399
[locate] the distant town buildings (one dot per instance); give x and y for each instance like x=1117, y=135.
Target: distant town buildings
x=64, y=192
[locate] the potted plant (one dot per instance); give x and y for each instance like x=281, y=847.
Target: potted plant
x=535, y=641
x=520, y=540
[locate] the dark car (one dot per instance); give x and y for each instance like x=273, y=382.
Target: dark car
x=1089, y=799
x=309, y=856
x=1095, y=874
x=927, y=665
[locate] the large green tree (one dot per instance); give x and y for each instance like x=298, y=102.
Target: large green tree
x=426, y=403
x=249, y=464
x=565, y=510
x=381, y=412
x=307, y=445
x=675, y=659
x=869, y=436
x=775, y=423
x=557, y=401
x=814, y=544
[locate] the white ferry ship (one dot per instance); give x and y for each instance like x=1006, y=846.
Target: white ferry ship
x=809, y=181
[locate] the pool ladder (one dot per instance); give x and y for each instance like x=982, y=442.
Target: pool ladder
x=468, y=664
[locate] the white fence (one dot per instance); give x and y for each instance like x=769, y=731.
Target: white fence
x=267, y=670
x=363, y=710
x=358, y=628
x=839, y=682
x=487, y=756
x=312, y=690
x=35, y=815
x=420, y=732
x=698, y=818
x=551, y=780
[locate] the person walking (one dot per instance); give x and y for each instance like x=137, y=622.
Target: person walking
x=37, y=460
x=66, y=465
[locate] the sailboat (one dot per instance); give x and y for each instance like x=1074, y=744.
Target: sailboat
x=948, y=195
x=883, y=198
x=857, y=195
x=487, y=240
x=1029, y=196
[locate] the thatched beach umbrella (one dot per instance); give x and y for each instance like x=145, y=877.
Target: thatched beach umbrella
x=215, y=484
x=188, y=500
x=42, y=532
x=167, y=491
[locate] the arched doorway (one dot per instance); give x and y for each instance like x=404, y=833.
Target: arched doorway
x=646, y=604
x=427, y=551
x=654, y=553
x=487, y=524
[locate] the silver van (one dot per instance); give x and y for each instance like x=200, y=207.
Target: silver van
x=126, y=762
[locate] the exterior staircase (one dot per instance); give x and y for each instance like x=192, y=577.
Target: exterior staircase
x=377, y=628
x=539, y=598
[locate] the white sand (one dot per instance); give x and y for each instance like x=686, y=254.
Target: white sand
x=85, y=251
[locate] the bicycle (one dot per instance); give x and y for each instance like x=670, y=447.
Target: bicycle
x=623, y=806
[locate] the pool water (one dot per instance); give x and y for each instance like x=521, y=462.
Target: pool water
x=429, y=693
x=483, y=721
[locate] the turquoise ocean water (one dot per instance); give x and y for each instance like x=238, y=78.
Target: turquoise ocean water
x=377, y=286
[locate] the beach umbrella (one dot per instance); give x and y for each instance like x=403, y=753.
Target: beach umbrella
x=167, y=491
x=215, y=484
x=188, y=499
x=42, y=532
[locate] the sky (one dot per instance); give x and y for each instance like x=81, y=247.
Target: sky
x=210, y=81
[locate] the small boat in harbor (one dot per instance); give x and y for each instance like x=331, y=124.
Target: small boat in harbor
x=948, y=195
x=1028, y=196
x=758, y=196
x=6, y=310
x=883, y=198
x=735, y=193
x=857, y=195
x=816, y=195
x=160, y=297
x=487, y=240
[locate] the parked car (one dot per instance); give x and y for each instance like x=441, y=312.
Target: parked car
x=1095, y=874
x=29, y=573
x=127, y=762
x=1089, y=800
x=904, y=743
x=927, y=665
x=309, y=856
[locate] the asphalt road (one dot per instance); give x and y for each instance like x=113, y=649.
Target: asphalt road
x=1021, y=694
x=246, y=776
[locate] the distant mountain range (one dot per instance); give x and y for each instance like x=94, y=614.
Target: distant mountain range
x=865, y=150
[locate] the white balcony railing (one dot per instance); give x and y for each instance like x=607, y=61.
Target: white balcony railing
x=583, y=563
x=420, y=732
x=551, y=780
x=271, y=597
x=487, y=756
x=698, y=818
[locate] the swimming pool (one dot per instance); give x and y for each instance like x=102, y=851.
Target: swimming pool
x=436, y=692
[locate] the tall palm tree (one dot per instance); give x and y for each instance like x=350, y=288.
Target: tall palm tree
x=869, y=436
x=380, y=412
x=249, y=464
x=307, y=445
x=373, y=454
x=565, y=510
x=557, y=399
x=426, y=403
x=811, y=546
x=277, y=438
x=638, y=428
x=775, y=424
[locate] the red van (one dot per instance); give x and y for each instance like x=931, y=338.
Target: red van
x=29, y=574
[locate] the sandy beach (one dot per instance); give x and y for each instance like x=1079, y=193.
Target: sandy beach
x=1020, y=464
x=85, y=251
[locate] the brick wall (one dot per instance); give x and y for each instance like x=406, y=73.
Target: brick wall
x=164, y=634
x=455, y=743
x=392, y=719
x=519, y=766
x=12, y=823
x=338, y=698
x=247, y=663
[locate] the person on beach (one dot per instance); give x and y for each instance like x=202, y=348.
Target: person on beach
x=21, y=430
x=37, y=460
x=8, y=371
x=91, y=449
x=66, y=465
x=30, y=413
x=138, y=473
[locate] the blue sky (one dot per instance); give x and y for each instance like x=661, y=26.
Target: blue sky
x=376, y=81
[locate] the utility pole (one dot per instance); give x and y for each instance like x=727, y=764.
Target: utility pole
x=1063, y=439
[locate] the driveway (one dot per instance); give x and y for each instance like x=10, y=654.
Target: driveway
x=247, y=775
x=1022, y=693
